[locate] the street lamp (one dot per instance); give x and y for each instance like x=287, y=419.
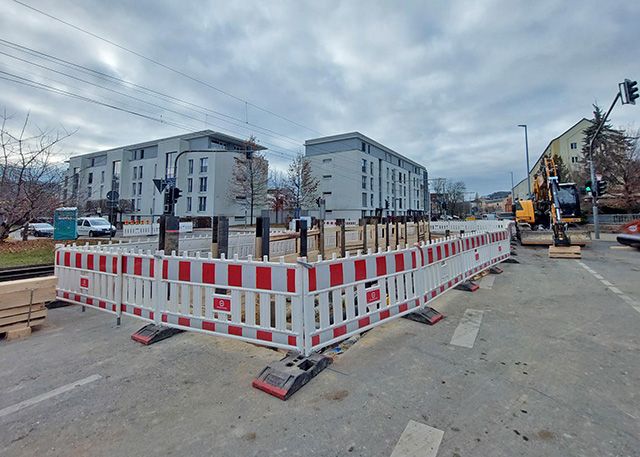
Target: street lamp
x=526, y=146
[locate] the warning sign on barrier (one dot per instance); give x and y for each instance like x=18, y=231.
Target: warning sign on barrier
x=373, y=295
x=222, y=303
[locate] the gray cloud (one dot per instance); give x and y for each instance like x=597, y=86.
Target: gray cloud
x=445, y=85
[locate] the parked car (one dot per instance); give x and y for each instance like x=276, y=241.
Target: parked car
x=505, y=216
x=95, y=226
x=40, y=229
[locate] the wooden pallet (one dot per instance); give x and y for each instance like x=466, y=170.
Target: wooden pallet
x=565, y=252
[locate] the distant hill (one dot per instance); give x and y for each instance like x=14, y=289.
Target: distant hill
x=498, y=195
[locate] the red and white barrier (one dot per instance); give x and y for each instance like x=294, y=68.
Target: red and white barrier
x=295, y=306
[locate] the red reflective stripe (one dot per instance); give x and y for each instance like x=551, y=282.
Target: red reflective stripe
x=446, y=250
x=124, y=264
x=184, y=270
x=184, y=321
x=114, y=264
x=339, y=331
x=361, y=269
x=384, y=314
x=430, y=252
x=165, y=269
x=235, y=330
x=312, y=279
x=67, y=259
x=399, y=262
x=263, y=278
x=453, y=248
x=315, y=340
x=208, y=326
x=234, y=275
x=264, y=335
x=102, y=263
x=164, y=318
x=439, y=252
x=209, y=273
x=137, y=311
x=78, y=260
x=58, y=258
x=403, y=307
x=137, y=266
x=336, y=276
x=102, y=304
x=291, y=280
x=381, y=266
x=364, y=322
x=413, y=259
x=152, y=267
x=90, y=262
x=291, y=340
x=151, y=315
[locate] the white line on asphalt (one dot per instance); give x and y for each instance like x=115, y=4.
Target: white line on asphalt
x=634, y=304
x=45, y=396
x=487, y=282
x=418, y=440
x=467, y=330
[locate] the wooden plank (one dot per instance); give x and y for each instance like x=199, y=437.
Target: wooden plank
x=33, y=322
x=27, y=284
x=20, y=310
x=18, y=293
x=565, y=252
x=18, y=333
x=6, y=321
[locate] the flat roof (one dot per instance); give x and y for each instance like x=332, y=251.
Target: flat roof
x=347, y=136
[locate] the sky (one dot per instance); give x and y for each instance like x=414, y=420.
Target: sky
x=443, y=83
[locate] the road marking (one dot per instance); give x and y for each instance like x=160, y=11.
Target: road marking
x=634, y=304
x=487, y=282
x=418, y=440
x=467, y=330
x=45, y=396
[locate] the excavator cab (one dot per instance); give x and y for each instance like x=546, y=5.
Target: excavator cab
x=569, y=200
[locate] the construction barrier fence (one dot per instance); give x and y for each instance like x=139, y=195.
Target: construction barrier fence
x=302, y=306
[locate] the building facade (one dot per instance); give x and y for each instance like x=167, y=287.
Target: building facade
x=360, y=177
x=567, y=146
x=204, y=176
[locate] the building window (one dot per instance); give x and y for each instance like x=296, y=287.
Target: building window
x=202, y=203
x=188, y=204
x=372, y=200
x=204, y=164
x=190, y=166
x=364, y=165
x=364, y=182
x=369, y=149
x=371, y=183
x=140, y=172
x=169, y=164
x=102, y=176
x=364, y=199
x=190, y=185
x=115, y=169
x=574, y=145
x=90, y=178
x=326, y=160
x=88, y=193
x=133, y=188
x=135, y=172
x=363, y=147
x=326, y=193
x=139, y=188
x=326, y=176
x=203, y=184
x=141, y=153
x=575, y=159
x=138, y=204
x=371, y=166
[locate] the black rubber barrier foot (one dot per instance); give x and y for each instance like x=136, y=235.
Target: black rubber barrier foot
x=510, y=260
x=285, y=377
x=467, y=286
x=427, y=316
x=495, y=270
x=152, y=333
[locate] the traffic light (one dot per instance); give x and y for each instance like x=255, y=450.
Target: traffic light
x=629, y=92
x=176, y=193
x=602, y=187
x=588, y=187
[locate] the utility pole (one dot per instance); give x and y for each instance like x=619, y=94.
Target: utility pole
x=513, y=198
x=526, y=148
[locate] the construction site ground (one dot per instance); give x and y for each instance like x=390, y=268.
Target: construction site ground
x=552, y=371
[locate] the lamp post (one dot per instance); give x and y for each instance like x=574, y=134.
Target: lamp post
x=526, y=148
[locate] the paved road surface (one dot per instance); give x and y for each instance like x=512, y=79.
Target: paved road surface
x=553, y=369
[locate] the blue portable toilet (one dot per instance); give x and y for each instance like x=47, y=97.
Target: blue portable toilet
x=65, y=224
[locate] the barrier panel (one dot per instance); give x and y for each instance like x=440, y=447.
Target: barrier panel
x=151, y=229
x=295, y=306
x=469, y=226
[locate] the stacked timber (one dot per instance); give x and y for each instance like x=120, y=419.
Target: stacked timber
x=22, y=305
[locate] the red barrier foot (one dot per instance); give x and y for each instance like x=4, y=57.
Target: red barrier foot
x=467, y=286
x=495, y=270
x=427, y=316
x=153, y=333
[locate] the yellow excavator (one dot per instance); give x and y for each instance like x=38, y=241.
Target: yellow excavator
x=544, y=218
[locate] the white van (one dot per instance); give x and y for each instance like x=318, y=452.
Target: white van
x=95, y=226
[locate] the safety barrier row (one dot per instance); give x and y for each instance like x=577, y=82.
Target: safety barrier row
x=469, y=226
x=295, y=306
x=151, y=229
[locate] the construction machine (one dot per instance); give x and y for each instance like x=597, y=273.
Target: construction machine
x=544, y=218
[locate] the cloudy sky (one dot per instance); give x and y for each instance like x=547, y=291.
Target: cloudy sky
x=444, y=83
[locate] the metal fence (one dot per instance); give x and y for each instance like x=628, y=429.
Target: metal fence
x=303, y=306
x=614, y=219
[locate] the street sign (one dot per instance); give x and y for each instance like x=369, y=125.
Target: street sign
x=171, y=182
x=113, y=196
x=160, y=184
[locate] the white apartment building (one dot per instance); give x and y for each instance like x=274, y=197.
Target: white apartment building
x=360, y=177
x=204, y=176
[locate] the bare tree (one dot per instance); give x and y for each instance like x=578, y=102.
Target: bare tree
x=624, y=176
x=279, y=198
x=249, y=179
x=302, y=186
x=455, y=197
x=29, y=179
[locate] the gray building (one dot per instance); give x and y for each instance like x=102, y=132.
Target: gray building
x=203, y=176
x=361, y=177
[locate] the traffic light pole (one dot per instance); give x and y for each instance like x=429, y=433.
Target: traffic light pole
x=592, y=169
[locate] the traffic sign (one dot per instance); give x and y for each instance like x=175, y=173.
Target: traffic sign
x=160, y=184
x=113, y=196
x=171, y=182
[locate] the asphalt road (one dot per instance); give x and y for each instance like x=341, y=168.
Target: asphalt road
x=552, y=369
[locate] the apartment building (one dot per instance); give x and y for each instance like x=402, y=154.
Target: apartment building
x=203, y=174
x=360, y=177
x=567, y=146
